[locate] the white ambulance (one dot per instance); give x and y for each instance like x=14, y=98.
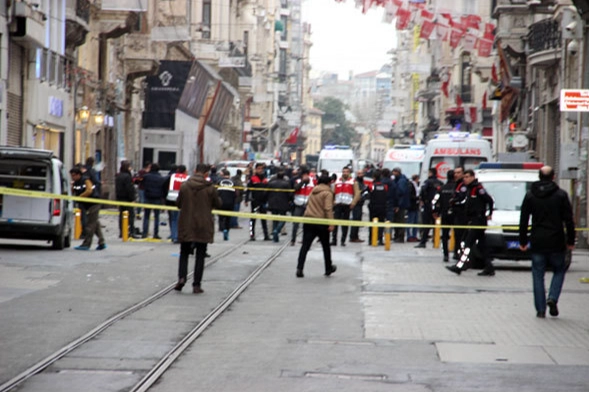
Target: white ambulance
x=408, y=158
x=448, y=150
x=334, y=158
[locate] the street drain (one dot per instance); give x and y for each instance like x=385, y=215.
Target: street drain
x=362, y=377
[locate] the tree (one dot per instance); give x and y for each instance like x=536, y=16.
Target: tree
x=336, y=130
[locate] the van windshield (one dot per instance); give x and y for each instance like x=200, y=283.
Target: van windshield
x=408, y=168
x=508, y=195
x=332, y=165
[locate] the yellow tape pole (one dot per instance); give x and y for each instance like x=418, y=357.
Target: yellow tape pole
x=452, y=241
x=77, y=224
x=437, y=232
x=125, y=226
x=387, y=238
x=373, y=238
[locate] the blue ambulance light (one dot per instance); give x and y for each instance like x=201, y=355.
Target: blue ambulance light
x=511, y=165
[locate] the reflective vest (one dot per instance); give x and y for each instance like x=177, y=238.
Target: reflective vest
x=344, y=191
x=301, y=196
x=176, y=181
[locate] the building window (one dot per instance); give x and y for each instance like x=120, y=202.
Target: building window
x=282, y=65
x=466, y=87
x=246, y=40
x=283, y=34
x=206, y=19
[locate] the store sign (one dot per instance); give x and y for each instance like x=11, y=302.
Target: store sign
x=55, y=107
x=574, y=100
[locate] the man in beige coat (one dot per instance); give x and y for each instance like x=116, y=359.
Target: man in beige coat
x=196, y=199
x=320, y=205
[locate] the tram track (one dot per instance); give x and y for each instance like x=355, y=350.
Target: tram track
x=151, y=376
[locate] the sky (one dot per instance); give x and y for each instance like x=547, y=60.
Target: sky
x=344, y=39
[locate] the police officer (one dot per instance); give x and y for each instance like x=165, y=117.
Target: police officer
x=457, y=205
x=83, y=186
x=429, y=189
x=303, y=185
x=360, y=195
x=171, y=188
x=344, y=195
x=478, y=209
x=378, y=202
x=279, y=201
x=258, y=199
x=441, y=208
x=228, y=194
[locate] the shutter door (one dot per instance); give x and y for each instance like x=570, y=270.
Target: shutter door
x=15, y=96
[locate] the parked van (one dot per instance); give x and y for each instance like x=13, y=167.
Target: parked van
x=333, y=158
x=407, y=157
x=35, y=218
x=448, y=150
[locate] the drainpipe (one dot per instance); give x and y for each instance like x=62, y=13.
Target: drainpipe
x=583, y=148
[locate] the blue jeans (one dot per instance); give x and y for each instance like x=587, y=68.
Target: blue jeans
x=412, y=219
x=539, y=263
x=234, y=223
x=156, y=214
x=174, y=225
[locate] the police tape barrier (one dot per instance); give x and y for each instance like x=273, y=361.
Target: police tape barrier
x=258, y=216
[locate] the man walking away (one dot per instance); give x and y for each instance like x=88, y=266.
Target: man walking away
x=258, y=199
x=303, y=185
x=152, y=183
x=360, y=195
x=85, y=188
x=429, y=189
x=238, y=183
x=228, y=195
x=278, y=201
x=413, y=209
x=378, y=203
x=478, y=209
x=196, y=225
x=171, y=189
x=320, y=206
x=344, y=195
x=550, y=208
x=403, y=197
x=457, y=204
x=125, y=192
x=392, y=195
x=441, y=208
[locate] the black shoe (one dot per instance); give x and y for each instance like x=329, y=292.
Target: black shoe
x=456, y=257
x=252, y=238
x=540, y=314
x=267, y=238
x=486, y=273
x=333, y=269
x=157, y=237
x=300, y=273
x=207, y=255
x=552, y=306
x=343, y=244
x=333, y=244
x=420, y=245
x=180, y=284
x=292, y=244
x=446, y=259
x=454, y=269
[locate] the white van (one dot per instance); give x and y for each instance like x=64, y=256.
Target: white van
x=334, y=158
x=448, y=150
x=408, y=158
x=35, y=218
x=508, y=184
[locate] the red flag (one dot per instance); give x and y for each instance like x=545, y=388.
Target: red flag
x=489, y=29
x=458, y=101
x=426, y=15
x=455, y=37
x=448, y=18
x=292, y=138
x=445, y=81
x=473, y=114
x=469, y=42
x=494, y=77
x=485, y=47
x=426, y=29
x=366, y=4
x=442, y=31
x=403, y=17
x=485, y=100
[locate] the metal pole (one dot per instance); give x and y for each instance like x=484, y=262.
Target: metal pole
x=581, y=191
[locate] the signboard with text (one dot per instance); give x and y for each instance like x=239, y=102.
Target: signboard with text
x=574, y=100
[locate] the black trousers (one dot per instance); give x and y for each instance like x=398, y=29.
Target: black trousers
x=381, y=214
x=341, y=212
x=297, y=212
x=225, y=221
x=447, y=220
x=459, y=233
x=475, y=237
x=256, y=208
x=399, y=218
x=131, y=220
x=310, y=232
x=356, y=216
x=199, y=264
x=426, y=219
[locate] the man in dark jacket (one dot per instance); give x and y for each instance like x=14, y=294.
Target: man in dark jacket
x=279, y=202
x=153, y=183
x=360, y=195
x=228, y=194
x=403, y=197
x=378, y=203
x=125, y=192
x=84, y=187
x=457, y=205
x=196, y=200
x=258, y=198
x=237, y=182
x=478, y=210
x=441, y=208
x=550, y=208
x=429, y=189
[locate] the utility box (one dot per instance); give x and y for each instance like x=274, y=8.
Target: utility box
x=569, y=161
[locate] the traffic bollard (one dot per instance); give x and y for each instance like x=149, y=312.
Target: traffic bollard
x=437, y=233
x=451, y=242
x=387, y=238
x=125, y=226
x=374, y=237
x=77, y=223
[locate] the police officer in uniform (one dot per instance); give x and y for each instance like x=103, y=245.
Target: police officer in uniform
x=429, y=189
x=378, y=203
x=360, y=195
x=478, y=209
x=441, y=208
x=457, y=205
x=258, y=199
x=344, y=195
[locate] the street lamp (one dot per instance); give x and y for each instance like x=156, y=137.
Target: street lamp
x=99, y=118
x=84, y=114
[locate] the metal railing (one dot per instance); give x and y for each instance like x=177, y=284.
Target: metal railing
x=543, y=35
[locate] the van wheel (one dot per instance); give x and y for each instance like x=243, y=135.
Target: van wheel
x=67, y=241
x=59, y=242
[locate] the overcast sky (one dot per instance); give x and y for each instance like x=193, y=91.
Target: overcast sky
x=345, y=39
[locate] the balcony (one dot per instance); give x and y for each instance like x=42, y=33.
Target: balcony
x=544, y=43
x=77, y=18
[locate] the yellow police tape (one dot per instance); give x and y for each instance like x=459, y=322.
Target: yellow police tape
x=261, y=216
